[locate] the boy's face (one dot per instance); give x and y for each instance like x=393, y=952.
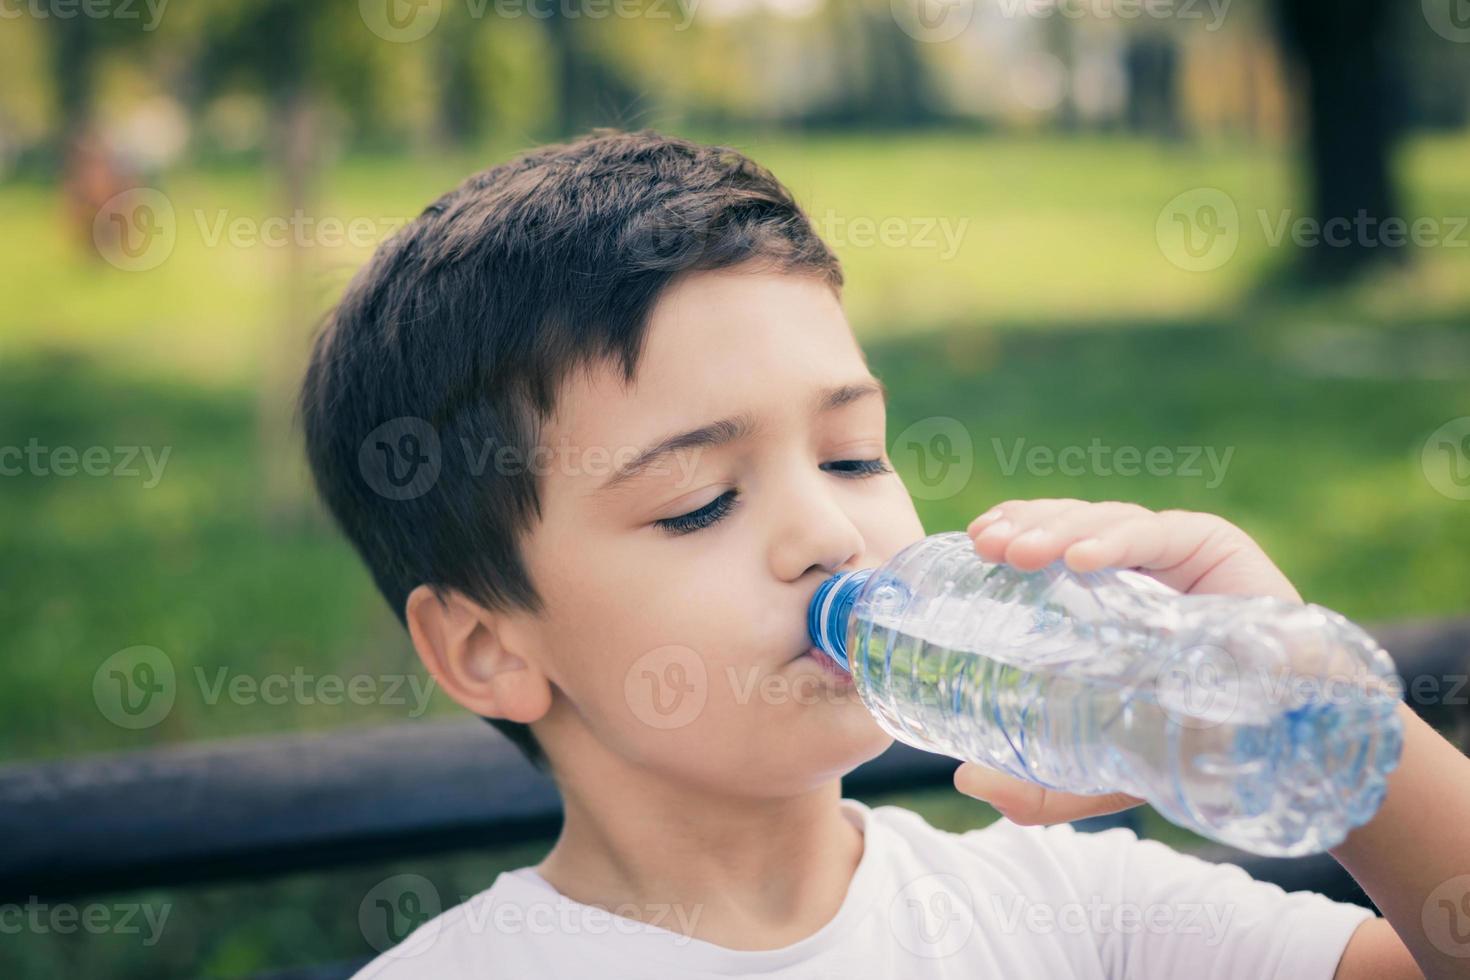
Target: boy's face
x=681, y=653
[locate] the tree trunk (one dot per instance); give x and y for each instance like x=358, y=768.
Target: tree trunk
x=293, y=151
x=1341, y=50
x=1151, y=62
x=461, y=105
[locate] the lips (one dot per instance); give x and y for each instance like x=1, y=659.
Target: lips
x=827, y=664
x=810, y=651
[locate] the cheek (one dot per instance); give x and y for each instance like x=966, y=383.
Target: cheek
x=641, y=638
x=889, y=522
x=684, y=672
x=675, y=658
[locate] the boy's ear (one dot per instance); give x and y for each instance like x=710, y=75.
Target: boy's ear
x=463, y=646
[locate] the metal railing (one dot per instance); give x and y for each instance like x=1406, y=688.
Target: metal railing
x=254, y=808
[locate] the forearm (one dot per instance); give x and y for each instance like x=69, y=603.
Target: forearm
x=1413, y=857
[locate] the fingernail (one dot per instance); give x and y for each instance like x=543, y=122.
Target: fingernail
x=970, y=782
x=999, y=528
x=1073, y=556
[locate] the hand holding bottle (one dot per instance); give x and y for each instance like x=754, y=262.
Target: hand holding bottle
x=1192, y=552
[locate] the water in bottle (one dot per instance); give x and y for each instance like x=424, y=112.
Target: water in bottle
x=1265, y=724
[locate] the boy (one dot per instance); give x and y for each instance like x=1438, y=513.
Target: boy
x=598, y=426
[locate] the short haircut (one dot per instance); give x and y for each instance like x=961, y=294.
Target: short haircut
x=449, y=347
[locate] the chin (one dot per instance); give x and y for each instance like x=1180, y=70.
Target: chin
x=847, y=739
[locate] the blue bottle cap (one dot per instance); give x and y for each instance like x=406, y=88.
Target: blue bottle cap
x=826, y=617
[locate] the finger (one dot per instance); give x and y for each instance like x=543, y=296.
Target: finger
x=1226, y=561
x=1135, y=542
x=1050, y=538
x=1177, y=547
x=1022, y=512
x=1016, y=518
x=1188, y=551
x=1028, y=804
x=993, y=514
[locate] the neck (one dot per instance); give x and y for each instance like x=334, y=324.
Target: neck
x=739, y=872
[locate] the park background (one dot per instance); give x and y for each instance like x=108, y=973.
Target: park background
x=1061, y=224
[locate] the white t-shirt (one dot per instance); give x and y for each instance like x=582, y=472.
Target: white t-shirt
x=1003, y=901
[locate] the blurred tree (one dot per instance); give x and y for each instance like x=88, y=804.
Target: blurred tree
x=885, y=80
x=1058, y=37
x=590, y=91
x=1151, y=63
x=461, y=102
x=282, y=48
x=90, y=173
x=74, y=49
x=1343, y=50
x=897, y=90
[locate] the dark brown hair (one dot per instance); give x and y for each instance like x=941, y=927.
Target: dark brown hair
x=448, y=348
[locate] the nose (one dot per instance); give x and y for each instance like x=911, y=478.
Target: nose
x=815, y=533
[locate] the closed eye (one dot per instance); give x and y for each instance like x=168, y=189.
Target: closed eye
x=719, y=508
x=710, y=513
x=860, y=467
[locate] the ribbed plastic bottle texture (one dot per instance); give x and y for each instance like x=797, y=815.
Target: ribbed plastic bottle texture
x=1261, y=723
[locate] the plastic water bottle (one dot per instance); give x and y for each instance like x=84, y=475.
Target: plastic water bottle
x=1259, y=722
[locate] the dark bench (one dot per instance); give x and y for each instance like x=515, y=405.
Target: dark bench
x=253, y=808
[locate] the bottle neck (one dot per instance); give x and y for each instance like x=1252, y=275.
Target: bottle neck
x=827, y=618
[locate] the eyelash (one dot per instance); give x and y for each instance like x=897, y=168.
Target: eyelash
x=719, y=508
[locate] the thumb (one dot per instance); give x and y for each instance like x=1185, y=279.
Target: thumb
x=1027, y=803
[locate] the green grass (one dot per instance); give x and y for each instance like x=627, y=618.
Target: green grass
x=1058, y=321
x=1324, y=471
x=1049, y=232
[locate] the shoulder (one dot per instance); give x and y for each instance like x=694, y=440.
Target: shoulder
x=471, y=939
x=1055, y=850
x=1148, y=909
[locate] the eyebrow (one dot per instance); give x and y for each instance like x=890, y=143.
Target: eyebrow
x=737, y=427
